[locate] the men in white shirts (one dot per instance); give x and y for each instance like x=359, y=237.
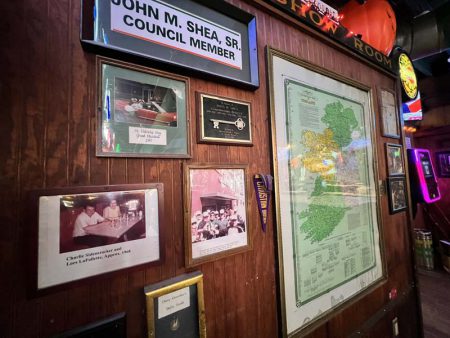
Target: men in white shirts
x=87, y=217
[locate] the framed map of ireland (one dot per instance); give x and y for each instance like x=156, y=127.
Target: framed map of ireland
x=328, y=214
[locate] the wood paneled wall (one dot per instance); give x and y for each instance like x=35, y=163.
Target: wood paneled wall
x=47, y=137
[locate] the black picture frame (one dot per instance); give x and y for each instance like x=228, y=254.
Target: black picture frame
x=397, y=194
x=223, y=120
x=394, y=159
x=233, y=62
x=443, y=163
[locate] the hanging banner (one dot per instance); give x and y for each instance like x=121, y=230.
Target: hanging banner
x=263, y=189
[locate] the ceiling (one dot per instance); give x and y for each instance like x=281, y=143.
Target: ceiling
x=432, y=63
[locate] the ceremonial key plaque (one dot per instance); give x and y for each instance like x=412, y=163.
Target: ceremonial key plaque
x=223, y=120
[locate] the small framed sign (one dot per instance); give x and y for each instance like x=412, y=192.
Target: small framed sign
x=397, y=194
x=142, y=112
x=175, y=307
x=389, y=113
x=201, y=36
x=394, y=159
x=224, y=120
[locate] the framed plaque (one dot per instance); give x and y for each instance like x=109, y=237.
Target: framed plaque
x=211, y=38
x=327, y=206
x=224, y=120
x=216, y=215
x=397, y=194
x=83, y=232
x=389, y=113
x=175, y=307
x=142, y=112
x=394, y=159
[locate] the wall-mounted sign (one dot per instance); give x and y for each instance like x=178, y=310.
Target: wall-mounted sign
x=407, y=76
x=215, y=38
x=310, y=14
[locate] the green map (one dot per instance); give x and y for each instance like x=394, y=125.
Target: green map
x=331, y=194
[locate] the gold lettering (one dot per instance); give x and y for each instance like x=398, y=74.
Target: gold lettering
x=387, y=62
x=379, y=57
x=283, y=2
x=313, y=15
x=358, y=44
x=331, y=26
x=294, y=6
x=369, y=50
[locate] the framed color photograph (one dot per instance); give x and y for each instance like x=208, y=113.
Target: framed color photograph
x=87, y=231
x=397, y=194
x=216, y=218
x=394, y=159
x=224, y=120
x=443, y=163
x=327, y=206
x=175, y=307
x=142, y=112
x=389, y=113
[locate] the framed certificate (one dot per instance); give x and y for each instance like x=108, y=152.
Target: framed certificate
x=175, y=307
x=142, y=112
x=389, y=113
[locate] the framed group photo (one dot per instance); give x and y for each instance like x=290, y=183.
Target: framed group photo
x=176, y=308
x=142, y=112
x=86, y=231
x=216, y=215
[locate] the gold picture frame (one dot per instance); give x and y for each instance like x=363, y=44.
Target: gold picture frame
x=176, y=304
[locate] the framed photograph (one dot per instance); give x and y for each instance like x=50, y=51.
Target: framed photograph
x=443, y=163
x=394, y=159
x=175, y=307
x=397, y=194
x=389, y=113
x=216, y=218
x=213, y=39
x=327, y=206
x=142, y=112
x=87, y=231
x=224, y=120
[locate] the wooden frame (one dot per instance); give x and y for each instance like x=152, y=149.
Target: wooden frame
x=215, y=192
x=397, y=194
x=223, y=120
x=296, y=81
x=187, y=312
x=388, y=105
x=394, y=160
x=82, y=232
x=142, y=112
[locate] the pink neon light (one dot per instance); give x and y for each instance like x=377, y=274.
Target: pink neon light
x=423, y=183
